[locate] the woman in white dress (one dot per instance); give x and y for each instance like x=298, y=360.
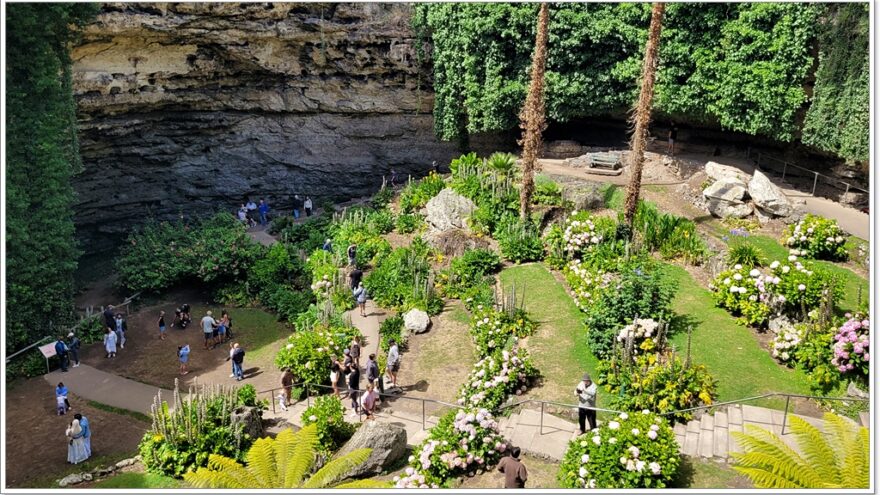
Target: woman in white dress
x=110, y=343
x=76, y=443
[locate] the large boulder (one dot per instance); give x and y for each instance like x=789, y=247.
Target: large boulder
x=388, y=442
x=724, y=209
x=251, y=418
x=454, y=243
x=728, y=189
x=718, y=171
x=768, y=197
x=449, y=210
x=584, y=196
x=416, y=321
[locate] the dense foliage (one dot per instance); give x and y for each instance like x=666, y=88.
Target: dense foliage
x=742, y=66
x=817, y=237
x=466, y=271
x=497, y=377
x=402, y=279
x=633, y=450
x=416, y=194
x=308, y=351
x=42, y=154
x=328, y=414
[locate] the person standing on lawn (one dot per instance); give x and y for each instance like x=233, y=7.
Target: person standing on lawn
x=238, y=361
x=76, y=448
x=586, y=394
x=355, y=277
x=515, y=473
x=61, y=391
x=208, y=324
x=308, y=206
x=120, y=327
x=110, y=342
x=393, y=362
x=183, y=356
x=222, y=327
x=73, y=344
x=161, y=325
x=61, y=350
x=86, y=432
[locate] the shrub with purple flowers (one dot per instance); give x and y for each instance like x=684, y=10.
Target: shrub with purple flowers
x=635, y=450
x=496, y=377
x=463, y=442
x=852, y=347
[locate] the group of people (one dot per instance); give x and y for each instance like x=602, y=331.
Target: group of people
x=250, y=210
x=349, y=373
x=78, y=433
x=68, y=351
x=114, y=331
x=215, y=332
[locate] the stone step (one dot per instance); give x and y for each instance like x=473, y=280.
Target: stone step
x=752, y=414
x=720, y=441
x=707, y=443
x=721, y=419
x=707, y=422
x=691, y=443
x=693, y=426
x=734, y=414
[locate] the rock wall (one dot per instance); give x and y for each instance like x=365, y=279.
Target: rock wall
x=188, y=108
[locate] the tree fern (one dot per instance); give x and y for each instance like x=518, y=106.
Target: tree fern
x=282, y=462
x=838, y=458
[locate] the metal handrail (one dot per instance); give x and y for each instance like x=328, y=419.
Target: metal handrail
x=816, y=175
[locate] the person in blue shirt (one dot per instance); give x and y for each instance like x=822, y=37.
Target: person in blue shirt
x=86, y=432
x=328, y=246
x=61, y=350
x=183, y=355
x=61, y=391
x=264, y=210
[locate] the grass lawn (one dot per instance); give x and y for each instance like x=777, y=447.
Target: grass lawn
x=773, y=250
x=118, y=410
x=559, y=347
x=730, y=351
x=703, y=473
x=138, y=480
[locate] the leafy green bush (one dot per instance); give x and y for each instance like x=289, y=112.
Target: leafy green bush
x=635, y=450
x=496, y=377
x=416, y=194
x=306, y=236
x=307, y=353
x=519, y=241
x=547, y=192
x=402, y=280
x=492, y=328
x=392, y=329
x=409, y=222
x=586, y=283
x=466, y=271
x=670, y=235
x=328, y=414
x=381, y=199
x=464, y=161
x=503, y=163
x=817, y=237
x=462, y=442
x=481, y=294
x=745, y=254
x=643, y=290
x=181, y=438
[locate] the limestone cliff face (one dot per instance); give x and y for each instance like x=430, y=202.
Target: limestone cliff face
x=188, y=108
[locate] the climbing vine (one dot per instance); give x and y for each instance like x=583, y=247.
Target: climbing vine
x=741, y=66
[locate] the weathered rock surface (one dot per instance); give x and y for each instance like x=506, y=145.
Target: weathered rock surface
x=724, y=209
x=728, y=189
x=388, y=442
x=718, y=171
x=251, y=418
x=587, y=196
x=448, y=210
x=455, y=242
x=187, y=108
x=71, y=479
x=768, y=197
x=416, y=321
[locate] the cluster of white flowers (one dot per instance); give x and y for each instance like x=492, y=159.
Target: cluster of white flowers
x=641, y=329
x=785, y=342
x=491, y=373
x=802, y=235
x=586, y=284
x=580, y=235
x=322, y=287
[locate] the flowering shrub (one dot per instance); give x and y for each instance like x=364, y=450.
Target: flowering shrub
x=416, y=194
x=786, y=342
x=852, y=347
x=491, y=328
x=328, y=414
x=583, y=232
x=817, y=237
x=495, y=377
x=402, y=280
x=586, y=283
x=467, y=270
x=307, y=353
x=635, y=450
x=519, y=241
x=463, y=441
x=642, y=329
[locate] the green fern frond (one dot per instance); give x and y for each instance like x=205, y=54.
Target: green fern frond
x=336, y=468
x=799, y=475
x=233, y=468
x=839, y=429
x=765, y=479
x=774, y=443
x=816, y=450
x=855, y=468
x=261, y=462
x=368, y=483
x=302, y=445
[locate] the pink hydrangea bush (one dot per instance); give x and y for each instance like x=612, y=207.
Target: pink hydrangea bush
x=635, y=450
x=852, y=347
x=464, y=441
x=496, y=377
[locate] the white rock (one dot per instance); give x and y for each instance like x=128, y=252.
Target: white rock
x=723, y=209
x=449, y=210
x=71, y=479
x=768, y=197
x=762, y=217
x=728, y=189
x=416, y=321
x=718, y=171
x=125, y=462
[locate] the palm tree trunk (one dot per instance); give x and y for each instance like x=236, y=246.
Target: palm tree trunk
x=532, y=119
x=642, y=116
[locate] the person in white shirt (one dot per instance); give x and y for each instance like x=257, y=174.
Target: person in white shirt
x=586, y=394
x=308, y=206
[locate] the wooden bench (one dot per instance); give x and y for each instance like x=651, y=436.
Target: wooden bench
x=609, y=161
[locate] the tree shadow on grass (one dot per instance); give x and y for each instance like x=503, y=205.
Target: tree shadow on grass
x=684, y=478
x=680, y=323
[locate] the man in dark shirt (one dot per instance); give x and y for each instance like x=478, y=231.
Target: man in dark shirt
x=110, y=318
x=515, y=474
x=354, y=381
x=73, y=345
x=287, y=383
x=673, y=135
x=237, y=361
x=373, y=375
x=355, y=276
x=61, y=350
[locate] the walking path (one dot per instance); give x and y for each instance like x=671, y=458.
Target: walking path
x=99, y=386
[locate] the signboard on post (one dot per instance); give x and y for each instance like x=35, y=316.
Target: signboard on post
x=48, y=351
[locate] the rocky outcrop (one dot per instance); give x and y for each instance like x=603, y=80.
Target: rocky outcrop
x=388, y=442
x=718, y=171
x=448, y=210
x=187, y=108
x=727, y=189
x=768, y=197
x=728, y=209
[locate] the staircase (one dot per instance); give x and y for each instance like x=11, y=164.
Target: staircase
x=550, y=441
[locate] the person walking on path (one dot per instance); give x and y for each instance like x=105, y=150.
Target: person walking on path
x=162, y=325
x=76, y=444
x=229, y=358
x=515, y=473
x=183, y=357
x=86, y=432
x=110, y=342
x=222, y=327
x=308, y=206
x=61, y=392
x=238, y=361
x=264, y=211
x=373, y=375
x=354, y=381
x=368, y=401
x=61, y=350
x=352, y=254
x=208, y=325
x=120, y=327
x=73, y=345
x=355, y=350
x=287, y=383
x=586, y=394
x=335, y=370
x=360, y=295
x=109, y=317
x=355, y=277
x=297, y=204
x=672, y=136
x=393, y=362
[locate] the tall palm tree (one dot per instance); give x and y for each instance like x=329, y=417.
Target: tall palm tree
x=532, y=119
x=840, y=459
x=282, y=462
x=642, y=116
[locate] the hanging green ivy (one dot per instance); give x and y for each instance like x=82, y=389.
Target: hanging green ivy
x=741, y=66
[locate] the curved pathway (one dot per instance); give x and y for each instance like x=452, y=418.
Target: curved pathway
x=99, y=386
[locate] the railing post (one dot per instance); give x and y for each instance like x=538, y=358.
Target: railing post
x=815, y=181
x=272, y=400
x=423, y=414
x=541, y=430
x=785, y=415
x=784, y=168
